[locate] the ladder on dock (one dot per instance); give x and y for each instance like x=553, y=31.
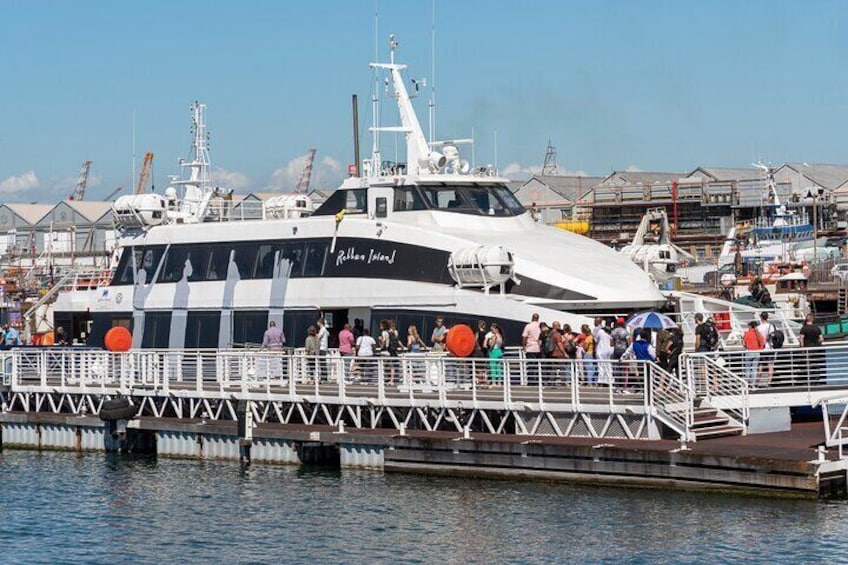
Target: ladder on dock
x=842, y=298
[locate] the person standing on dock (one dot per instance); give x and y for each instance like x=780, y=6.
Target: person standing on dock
x=706, y=334
x=273, y=339
x=439, y=334
x=365, y=346
x=754, y=344
x=347, y=345
x=323, y=347
x=532, y=347
x=494, y=343
x=347, y=342
x=766, y=330
x=811, y=336
x=588, y=344
x=312, y=347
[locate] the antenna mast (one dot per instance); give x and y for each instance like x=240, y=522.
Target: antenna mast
x=432, y=104
x=550, y=166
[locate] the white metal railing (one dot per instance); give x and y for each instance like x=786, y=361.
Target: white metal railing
x=671, y=399
x=411, y=379
x=720, y=387
x=787, y=369
x=834, y=414
x=437, y=380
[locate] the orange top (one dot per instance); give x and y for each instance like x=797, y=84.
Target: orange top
x=753, y=340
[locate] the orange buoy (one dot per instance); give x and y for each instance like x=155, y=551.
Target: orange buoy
x=461, y=340
x=118, y=338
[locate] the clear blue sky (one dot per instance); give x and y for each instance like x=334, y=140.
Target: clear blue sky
x=659, y=85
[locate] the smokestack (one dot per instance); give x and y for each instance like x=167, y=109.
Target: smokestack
x=356, y=136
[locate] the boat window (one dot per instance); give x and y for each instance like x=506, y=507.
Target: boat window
x=146, y=258
x=354, y=201
x=509, y=200
x=485, y=201
x=157, y=330
x=316, y=251
x=265, y=261
x=407, y=198
x=199, y=257
x=249, y=327
x=489, y=200
x=446, y=198
x=124, y=272
x=174, y=265
x=293, y=253
x=150, y=261
x=202, y=329
x=245, y=259
x=219, y=262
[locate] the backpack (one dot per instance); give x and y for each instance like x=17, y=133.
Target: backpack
x=776, y=339
x=570, y=348
x=619, y=344
x=394, y=343
x=711, y=338
x=549, y=344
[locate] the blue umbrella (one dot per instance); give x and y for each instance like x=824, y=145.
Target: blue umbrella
x=652, y=320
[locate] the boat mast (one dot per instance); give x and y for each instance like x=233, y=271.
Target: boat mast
x=198, y=185
x=420, y=159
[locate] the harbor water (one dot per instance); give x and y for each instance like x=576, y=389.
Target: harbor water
x=96, y=508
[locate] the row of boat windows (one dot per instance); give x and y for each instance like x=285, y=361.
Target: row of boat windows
x=211, y=262
x=248, y=326
x=203, y=328
x=487, y=200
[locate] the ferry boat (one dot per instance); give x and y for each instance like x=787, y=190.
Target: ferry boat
x=407, y=241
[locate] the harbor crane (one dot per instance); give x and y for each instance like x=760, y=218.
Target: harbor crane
x=144, y=175
x=79, y=191
x=302, y=186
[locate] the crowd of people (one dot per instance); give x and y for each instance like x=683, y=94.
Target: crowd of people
x=597, y=348
x=603, y=352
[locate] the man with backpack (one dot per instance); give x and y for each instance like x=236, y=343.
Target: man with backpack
x=620, y=342
x=389, y=344
x=773, y=339
x=706, y=334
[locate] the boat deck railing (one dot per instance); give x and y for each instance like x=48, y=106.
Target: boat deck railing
x=734, y=382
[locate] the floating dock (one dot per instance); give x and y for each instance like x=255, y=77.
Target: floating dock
x=540, y=421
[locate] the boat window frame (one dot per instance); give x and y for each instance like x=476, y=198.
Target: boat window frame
x=467, y=203
x=418, y=200
x=338, y=201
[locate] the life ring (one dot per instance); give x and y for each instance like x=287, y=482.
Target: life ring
x=118, y=339
x=461, y=340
